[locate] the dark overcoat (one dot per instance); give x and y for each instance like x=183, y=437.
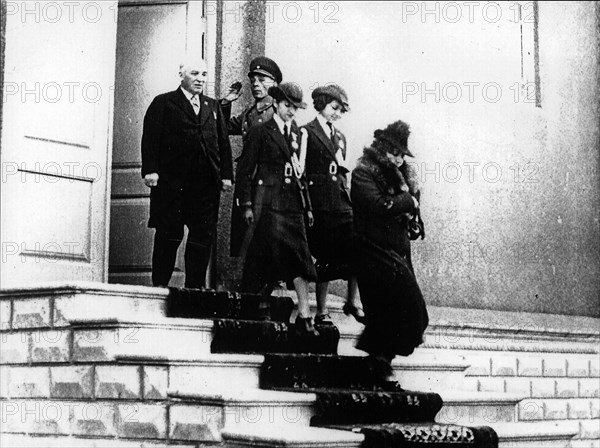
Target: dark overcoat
x=330, y=238
x=279, y=200
x=175, y=141
x=394, y=306
x=240, y=125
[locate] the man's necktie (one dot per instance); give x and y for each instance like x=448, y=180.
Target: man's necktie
x=196, y=104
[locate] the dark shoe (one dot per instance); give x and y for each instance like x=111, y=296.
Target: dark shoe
x=357, y=313
x=304, y=326
x=323, y=319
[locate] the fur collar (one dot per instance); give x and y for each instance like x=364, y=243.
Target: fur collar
x=388, y=174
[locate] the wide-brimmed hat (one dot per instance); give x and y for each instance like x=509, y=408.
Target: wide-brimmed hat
x=395, y=136
x=265, y=66
x=288, y=91
x=334, y=91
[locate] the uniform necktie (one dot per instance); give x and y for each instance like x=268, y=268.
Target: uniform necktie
x=286, y=134
x=196, y=104
x=331, y=133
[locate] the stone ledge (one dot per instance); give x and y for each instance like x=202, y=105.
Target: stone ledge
x=246, y=397
x=31, y=290
x=28, y=441
x=298, y=437
x=536, y=432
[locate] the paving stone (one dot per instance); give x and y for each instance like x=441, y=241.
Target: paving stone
x=15, y=348
x=141, y=421
x=578, y=367
x=480, y=366
x=117, y=382
x=72, y=381
x=519, y=386
x=199, y=423
x=50, y=345
x=595, y=367
x=531, y=410
x=589, y=387
x=5, y=317
x=556, y=367
x=529, y=366
x=504, y=366
x=579, y=409
x=567, y=388
x=543, y=387
x=491, y=384
x=555, y=409
x=29, y=382
x=155, y=382
x=95, y=418
x=31, y=313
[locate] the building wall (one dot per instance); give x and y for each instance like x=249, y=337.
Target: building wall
x=510, y=190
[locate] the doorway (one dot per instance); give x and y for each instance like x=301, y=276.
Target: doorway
x=152, y=37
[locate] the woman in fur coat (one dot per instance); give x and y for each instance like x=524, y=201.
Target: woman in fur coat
x=385, y=197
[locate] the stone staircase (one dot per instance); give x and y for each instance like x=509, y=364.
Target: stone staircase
x=97, y=365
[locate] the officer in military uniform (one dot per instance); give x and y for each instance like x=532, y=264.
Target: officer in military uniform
x=264, y=73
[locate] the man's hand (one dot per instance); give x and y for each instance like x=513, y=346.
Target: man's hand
x=227, y=185
x=151, y=179
x=234, y=92
x=310, y=218
x=248, y=215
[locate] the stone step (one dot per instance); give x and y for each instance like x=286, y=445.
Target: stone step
x=28, y=441
x=193, y=416
x=417, y=373
x=55, y=304
x=300, y=437
x=424, y=370
x=96, y=340
x=478, y=408
x=510, y=435
x=529, y=435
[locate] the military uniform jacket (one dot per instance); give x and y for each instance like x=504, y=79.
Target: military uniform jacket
x=266, y=176
x=251, y=116
x=175, y=139
x=327, y=182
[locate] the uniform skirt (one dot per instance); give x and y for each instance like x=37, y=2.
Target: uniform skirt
x=331, y=242
x=278, y=250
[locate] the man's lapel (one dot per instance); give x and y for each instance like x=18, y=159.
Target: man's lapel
x=181, y=100
x=205, y=110
x=320, y=133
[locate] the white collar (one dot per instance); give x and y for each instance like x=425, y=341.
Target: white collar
x=281, y=124
x=189, y=95
x=323, y=122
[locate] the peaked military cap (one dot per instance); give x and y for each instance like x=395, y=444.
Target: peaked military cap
x=335, y=92
x=288, y=91
x=265, y=66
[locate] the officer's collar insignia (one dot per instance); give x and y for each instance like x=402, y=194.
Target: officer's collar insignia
x=265, y=104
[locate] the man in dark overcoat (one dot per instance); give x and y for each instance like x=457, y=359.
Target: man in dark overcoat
x=186, y=161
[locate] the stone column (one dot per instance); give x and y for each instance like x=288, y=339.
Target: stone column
x=240, y=38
